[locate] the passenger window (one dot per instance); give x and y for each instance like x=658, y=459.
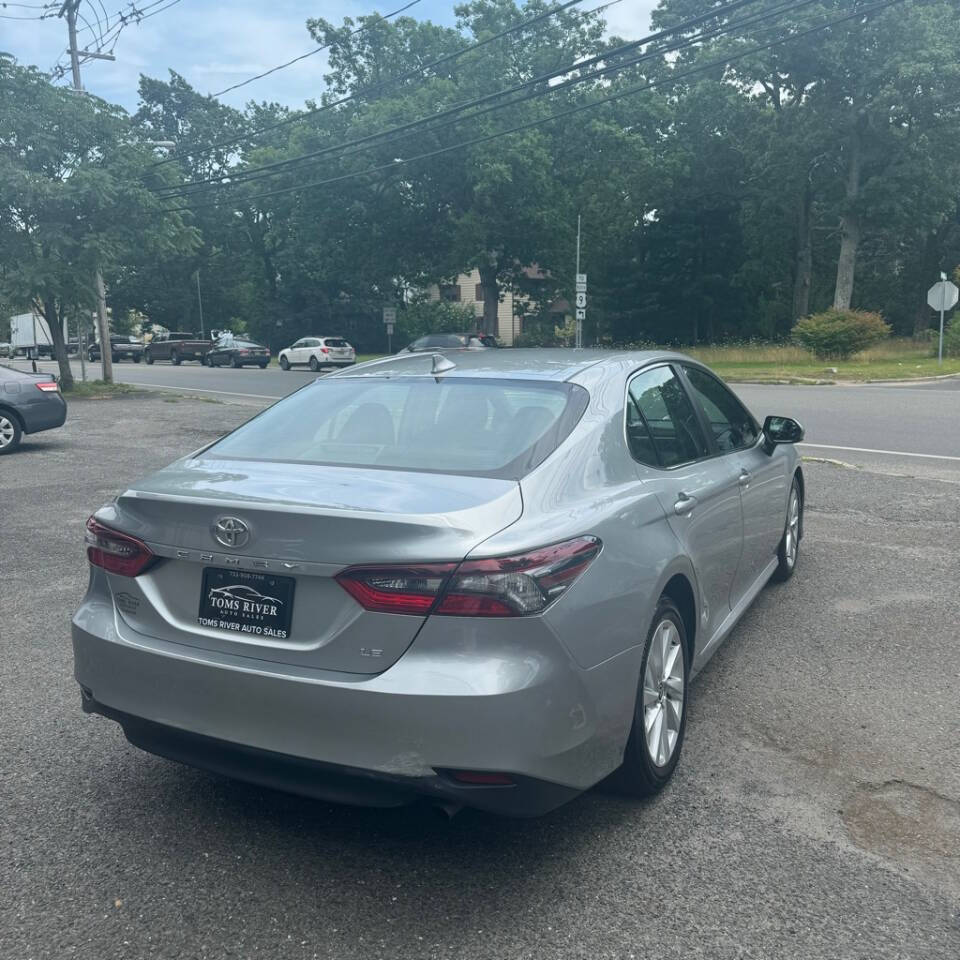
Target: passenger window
x=733, y=428
x=669, y=415
x=638, y=436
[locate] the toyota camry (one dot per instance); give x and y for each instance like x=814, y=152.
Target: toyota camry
x=485, y=578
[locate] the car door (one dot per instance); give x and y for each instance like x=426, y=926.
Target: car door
x=697, y=491
x=761, y=478
x=296, y=352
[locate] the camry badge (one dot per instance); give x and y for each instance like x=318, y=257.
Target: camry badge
x=231, y=532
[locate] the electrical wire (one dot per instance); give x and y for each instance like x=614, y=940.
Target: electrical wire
x=303, y=56
x=306, y=114
x=430, y=122
x=579, y=108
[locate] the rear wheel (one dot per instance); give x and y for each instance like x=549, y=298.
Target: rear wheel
x=789, y=550
x=148, y=356
x=263, y=366
x=284, y=363
x=10, y=432
x=175, y=358
x=137, y=358
x=314, y=365
x=660, y=716
x=236, y=363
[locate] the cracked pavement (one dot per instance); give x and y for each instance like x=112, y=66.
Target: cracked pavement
x=815, y=812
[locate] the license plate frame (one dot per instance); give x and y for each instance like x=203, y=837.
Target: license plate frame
x=247, y=603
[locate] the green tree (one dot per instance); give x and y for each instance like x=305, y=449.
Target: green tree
x=73, y=203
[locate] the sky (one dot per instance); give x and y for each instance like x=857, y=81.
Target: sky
x=215, y=44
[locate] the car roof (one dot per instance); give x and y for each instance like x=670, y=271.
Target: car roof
x=524, y=363
x=12, y=373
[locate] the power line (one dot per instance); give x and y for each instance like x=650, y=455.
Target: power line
x=303, y=56
x=297, y=118
x=244, y=176
x=630, y=91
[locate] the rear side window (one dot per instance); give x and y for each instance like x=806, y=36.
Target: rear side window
x=732, y=427
x=671, y=422
x=470, y=426
x=335, y=342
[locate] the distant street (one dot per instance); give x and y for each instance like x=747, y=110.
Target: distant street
x=912, y=418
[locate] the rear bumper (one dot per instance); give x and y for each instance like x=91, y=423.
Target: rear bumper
x=383, y=739
x=526, y=797
x=47, y=413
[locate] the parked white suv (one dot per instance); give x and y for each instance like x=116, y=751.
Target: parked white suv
x=317, y=352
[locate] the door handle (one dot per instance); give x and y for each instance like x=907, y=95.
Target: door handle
x=684, y=505
x=744, y=478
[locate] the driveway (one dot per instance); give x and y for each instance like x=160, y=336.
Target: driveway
x=815, y=812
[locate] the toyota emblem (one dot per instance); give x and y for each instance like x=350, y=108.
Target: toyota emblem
x=231, y=532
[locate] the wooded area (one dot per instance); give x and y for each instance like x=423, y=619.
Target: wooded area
x=761, y=160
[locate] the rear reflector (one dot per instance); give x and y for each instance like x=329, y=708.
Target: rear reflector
x=51, y=387
x=515, y=586
x=116, y=552
x=480, y=778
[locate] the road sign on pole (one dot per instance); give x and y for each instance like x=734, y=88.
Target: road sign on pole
x=942, y=296
x=389, y=318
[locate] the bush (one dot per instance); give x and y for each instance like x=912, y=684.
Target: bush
x=951, y=338
x=433, y=316
x=838, y=334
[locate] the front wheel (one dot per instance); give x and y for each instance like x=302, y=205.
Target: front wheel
x=284, y=363
x=91, y=356
x=236, y=364
x=789, y=549
x=175, y=358
x=660, y=716
x=148, y=356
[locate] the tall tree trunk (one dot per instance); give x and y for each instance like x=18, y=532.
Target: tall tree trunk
x=55, y=322
x=849, y=226
x=803, y=263
x=491, y=298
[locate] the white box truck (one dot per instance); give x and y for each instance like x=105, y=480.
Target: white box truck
x=30, y=336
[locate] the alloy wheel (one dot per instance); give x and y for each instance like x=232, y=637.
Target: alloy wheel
x=7, y=432
x=792, y=534
x=663, y=684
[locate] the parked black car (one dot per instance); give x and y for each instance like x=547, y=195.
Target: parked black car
x=451, y=341
x=121, y=348
x=29, y=403
x=232, y=352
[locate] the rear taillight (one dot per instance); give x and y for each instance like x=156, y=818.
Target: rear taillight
x=324, y=350
x=411, y=589
x=516, y=586
x=116, y=552
x=51, y=387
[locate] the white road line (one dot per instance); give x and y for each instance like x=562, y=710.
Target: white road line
x=188, y=390
x=889, y=453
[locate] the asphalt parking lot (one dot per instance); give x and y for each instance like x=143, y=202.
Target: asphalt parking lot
x=816, y=811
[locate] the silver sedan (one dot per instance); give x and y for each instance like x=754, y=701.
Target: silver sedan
x=484, y=578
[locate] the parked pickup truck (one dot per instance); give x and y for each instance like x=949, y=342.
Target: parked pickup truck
x=176, y=347
x=121, y=348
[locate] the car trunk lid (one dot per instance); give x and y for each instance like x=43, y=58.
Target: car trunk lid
x=299, y=525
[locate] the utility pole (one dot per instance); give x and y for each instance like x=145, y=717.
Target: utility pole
x=200, y=304
x=69, y=11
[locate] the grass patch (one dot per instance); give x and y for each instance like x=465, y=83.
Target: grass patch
x=98, y=390
x=894, y=359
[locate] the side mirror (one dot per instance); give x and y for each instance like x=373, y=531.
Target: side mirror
x=781, y=430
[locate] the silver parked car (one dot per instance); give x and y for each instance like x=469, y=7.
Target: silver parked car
x=485, y=578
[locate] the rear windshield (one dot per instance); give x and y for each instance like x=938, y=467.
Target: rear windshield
x=468, y=426
x=334, y=342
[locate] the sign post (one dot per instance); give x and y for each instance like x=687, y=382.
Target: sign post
x=942, y=296
x=389, y=319
x=581, y=290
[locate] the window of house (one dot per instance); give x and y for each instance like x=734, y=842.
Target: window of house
x=450, y=292
x=478, y=293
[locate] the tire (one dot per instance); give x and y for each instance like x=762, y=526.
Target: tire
x=10, y=432
x=137, y=358
x=114, y=358
x=284, y=363
x=788, y=551
x=236, y=364
x=314, y=365
x=175, y=358
x=660, y=690
x=262, y=366
x=205, y=361
x=148, y=356
x=91, y=357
